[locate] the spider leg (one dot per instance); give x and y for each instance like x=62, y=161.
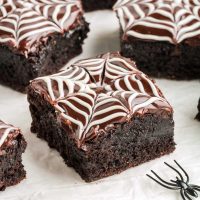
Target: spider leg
x=196, y=187
x=188, y=179
x=185, y=193
x=175, y=170
x=168, y=183
x=182, y=194
x=173, y=181
x=160, y=183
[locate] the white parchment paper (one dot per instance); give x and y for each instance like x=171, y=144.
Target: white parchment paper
x=48, y=178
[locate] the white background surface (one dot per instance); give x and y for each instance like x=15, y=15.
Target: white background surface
x=48, y=178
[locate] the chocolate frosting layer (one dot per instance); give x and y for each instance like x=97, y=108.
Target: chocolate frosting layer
x=94, y=94
x=26, y=23
x=7, y=134
x=173, y=21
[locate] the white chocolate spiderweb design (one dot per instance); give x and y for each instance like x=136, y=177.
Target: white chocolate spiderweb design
x=24, y=22
x=6, y=6
x=161, y=20
x=5, y=130
x=93, y=94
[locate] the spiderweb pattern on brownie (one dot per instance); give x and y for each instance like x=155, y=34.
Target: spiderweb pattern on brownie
x=24, y=22
x=5, y=130
x=93, y=94
x=164, y=20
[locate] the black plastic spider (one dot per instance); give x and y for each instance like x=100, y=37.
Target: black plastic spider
x=188, y=191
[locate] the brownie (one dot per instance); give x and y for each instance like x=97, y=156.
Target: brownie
x=92, y=5
x=198, y=115
x=12, y=145
x=38, y=38
x=103, y=115
x=163, y=37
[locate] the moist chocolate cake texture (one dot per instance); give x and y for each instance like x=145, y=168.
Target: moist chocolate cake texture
x=38, y=38
x=103, y=115
x=162, y=36
x=91, y=5
x=12, y=145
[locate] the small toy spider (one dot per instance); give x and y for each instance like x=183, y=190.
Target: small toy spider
x=188, y=191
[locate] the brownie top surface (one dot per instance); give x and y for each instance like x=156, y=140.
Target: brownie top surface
x=173, y=21
x=92, y=95
x=7, y=134
x=24, y=24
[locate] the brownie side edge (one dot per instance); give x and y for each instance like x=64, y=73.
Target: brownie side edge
x=162, y=59
x=198, y=115
x=16, y=70
x=11, y=169
x=92, y=5
x=127, y=145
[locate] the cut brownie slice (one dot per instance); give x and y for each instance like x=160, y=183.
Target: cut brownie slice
x=103, y=115
x=198, y=115
x=12, y=145
x=91, y=5
x=38, y=38
x=162, y=36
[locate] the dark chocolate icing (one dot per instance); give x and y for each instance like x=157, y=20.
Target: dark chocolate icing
x=173, y=21
x=26, y=23
x=7, y=134
x=94, y=94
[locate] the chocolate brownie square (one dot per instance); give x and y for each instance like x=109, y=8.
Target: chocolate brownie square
x=91, y=5
x=163, y=37
x=103, y=115
x=38, y=38
x=12, y=145
x=198, y=115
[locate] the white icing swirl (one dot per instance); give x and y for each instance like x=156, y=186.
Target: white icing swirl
x=93, y=94
x=22, y=23
x=162, y=20
x=5, y=130
x=6, y=6
x=67, y=80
